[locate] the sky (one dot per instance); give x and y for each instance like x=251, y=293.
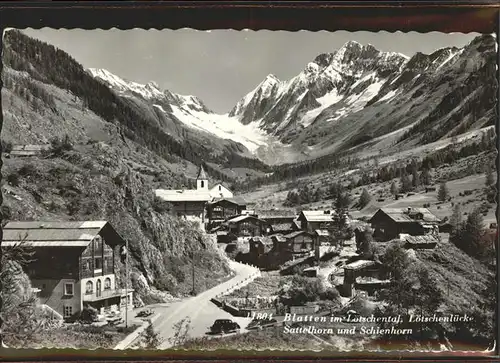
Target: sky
x=221, y=66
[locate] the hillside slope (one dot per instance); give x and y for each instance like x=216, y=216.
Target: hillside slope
x=136, y=117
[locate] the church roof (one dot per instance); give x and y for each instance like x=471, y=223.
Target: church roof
x=201, y=174
x=184, y=195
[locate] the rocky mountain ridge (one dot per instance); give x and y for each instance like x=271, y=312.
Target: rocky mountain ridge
x=354, y=96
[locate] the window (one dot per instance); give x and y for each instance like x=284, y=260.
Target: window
x=202, y=184
x=107, y=283
x=98, y=287
x=98, y=242
x=98, y=263
x=220, y=188
x=86, y=265
x=68, y=289
x=68, y=311
x=89, y=287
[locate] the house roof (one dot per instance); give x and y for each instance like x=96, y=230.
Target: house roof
x=278, y=238
x=277, y=213
x=257, y=239
x=295, y=234
x=241, y=218
x=322, y=232
x=317, y=215
x=405, y=214
x=234, y=200
x=183, y=195
x=58, y=234
x=281, y=227
x=201, y=174
x=33, y=148
x=357, y=265
x=24, y=153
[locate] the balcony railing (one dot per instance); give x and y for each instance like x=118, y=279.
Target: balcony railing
x=105, y=294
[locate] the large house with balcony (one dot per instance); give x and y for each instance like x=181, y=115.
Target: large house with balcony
x=73, y=264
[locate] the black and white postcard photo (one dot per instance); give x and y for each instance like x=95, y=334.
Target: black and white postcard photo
x=249, y=190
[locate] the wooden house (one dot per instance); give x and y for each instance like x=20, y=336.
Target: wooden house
x=259, y=246
x=73, y=264
x=279, y=221
x=364, y=275
x=313, y=220
x=247, y=226
x=322, y=237
x=297, y=244
x=389, y=223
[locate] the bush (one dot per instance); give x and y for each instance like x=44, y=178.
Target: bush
x=28, y=170
x=330, y=294
x=161, y=206
x=59, y=146
x=13, y=179
x=88, y=315
x=6, y=146
x=6, y=212
x=364, y=199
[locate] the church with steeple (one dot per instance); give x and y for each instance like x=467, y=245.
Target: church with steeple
x=190, y=203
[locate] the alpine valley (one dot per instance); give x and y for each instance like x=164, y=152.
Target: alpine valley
x=351, y=99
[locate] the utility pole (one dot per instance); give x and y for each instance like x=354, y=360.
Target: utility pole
x=192, y=264
x=126, y=283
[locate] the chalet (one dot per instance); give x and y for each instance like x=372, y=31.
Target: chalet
x=364, y=275
x=322, y=236
x=247, y=226
x=73, y=264
x=259, y=246
x=220, y=209
x=189, y=203
x=297, y=244
x=220, y=191
x=312, y=220
x=280, y=222
x=389, y=223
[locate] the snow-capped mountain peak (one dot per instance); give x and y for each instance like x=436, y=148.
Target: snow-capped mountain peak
x=150, y=91
x=342, y=83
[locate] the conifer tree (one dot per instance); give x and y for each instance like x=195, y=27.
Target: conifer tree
x=394, y=188
x=364, y=199
x=443, y=192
